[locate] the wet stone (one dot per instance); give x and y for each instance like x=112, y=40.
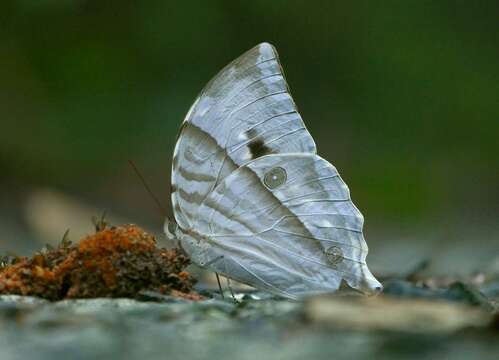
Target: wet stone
x=223, y=329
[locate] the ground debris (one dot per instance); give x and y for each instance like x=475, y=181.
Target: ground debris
x=458, y=291
x=400, y=315
x=114, y=262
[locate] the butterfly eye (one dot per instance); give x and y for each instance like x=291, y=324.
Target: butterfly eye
x=172, y=227
x=334, y=255
x=275, y=177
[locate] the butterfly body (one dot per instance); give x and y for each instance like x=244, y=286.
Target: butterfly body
x=251, y=197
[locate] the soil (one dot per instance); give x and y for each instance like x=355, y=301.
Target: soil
x=120, y=261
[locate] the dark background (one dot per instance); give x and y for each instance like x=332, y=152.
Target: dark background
x=401, y=96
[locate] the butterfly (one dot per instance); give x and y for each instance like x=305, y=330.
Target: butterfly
x=251, y=198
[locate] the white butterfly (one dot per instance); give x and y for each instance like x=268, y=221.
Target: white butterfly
x=252, y=200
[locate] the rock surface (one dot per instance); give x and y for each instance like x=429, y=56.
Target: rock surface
x=258, y=327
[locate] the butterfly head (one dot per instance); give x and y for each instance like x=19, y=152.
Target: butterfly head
x=171, y=229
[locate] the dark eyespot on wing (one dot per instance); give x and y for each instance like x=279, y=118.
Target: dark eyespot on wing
x=258, y=148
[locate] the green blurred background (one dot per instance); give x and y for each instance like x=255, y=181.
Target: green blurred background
x=401, y=96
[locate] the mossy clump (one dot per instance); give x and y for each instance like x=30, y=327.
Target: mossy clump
x=114, y=262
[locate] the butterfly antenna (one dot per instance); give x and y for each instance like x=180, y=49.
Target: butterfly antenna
x=144, y=182
x=228, y=283
x=220, y=285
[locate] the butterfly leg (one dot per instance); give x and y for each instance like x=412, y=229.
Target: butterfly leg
x=216, y=274
x=211, y=262
x=231, y=291
x=228, y=283
x=220, y=286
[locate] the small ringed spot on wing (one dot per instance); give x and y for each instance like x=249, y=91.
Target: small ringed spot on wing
x=275, y=177
x=334, y=255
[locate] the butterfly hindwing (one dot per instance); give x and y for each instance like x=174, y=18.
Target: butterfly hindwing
x=286, y=221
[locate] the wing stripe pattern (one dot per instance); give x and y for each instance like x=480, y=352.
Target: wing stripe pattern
x=188, y=191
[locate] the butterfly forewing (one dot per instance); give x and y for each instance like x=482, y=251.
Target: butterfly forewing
x=244, y=113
